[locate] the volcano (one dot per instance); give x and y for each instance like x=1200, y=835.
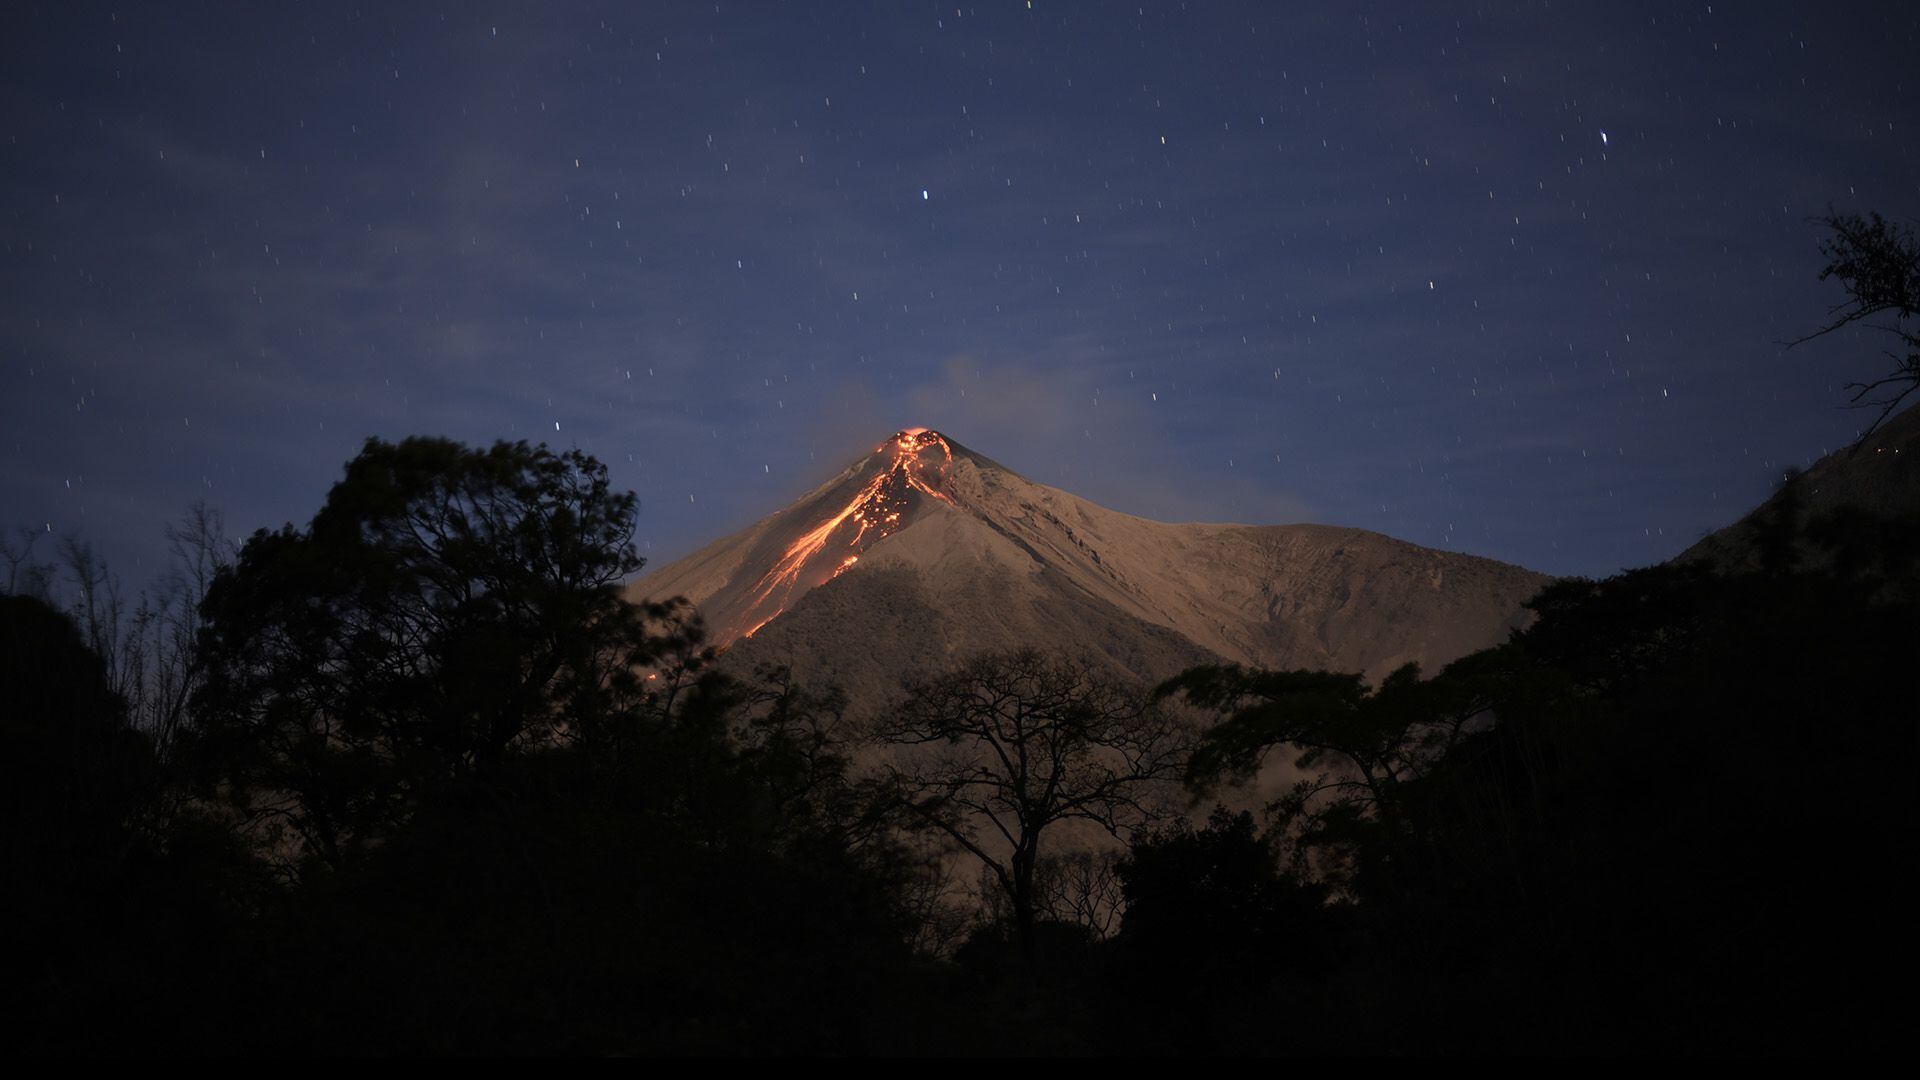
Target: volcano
x=924, y=551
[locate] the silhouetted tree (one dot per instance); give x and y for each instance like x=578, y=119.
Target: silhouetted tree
x=683, y=894
x=1013, y=744
x=445, y=605
x=73, y=772
x=1211, y=917
x=166, y=624
x=1081, y=888
x=1354, y=744
x=75, y=782
x=26, y=575
x=149, y=643
x=536, y=817
x=1076, y=888
x=1879, y=265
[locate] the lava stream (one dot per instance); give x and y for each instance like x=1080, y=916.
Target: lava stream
x=878, y=510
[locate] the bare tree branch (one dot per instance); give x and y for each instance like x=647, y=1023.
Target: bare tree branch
x=1013, y=744
x=1879, y=265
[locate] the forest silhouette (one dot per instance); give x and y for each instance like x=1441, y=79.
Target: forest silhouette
x=418, y=779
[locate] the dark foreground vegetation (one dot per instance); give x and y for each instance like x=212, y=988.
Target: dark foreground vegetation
x=415, y=779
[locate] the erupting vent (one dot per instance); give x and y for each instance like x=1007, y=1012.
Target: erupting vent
x=916, y=465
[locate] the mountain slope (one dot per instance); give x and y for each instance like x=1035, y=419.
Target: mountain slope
x=924, y=551
x=1878, y=479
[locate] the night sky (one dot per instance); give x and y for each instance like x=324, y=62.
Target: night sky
x=1510, y=283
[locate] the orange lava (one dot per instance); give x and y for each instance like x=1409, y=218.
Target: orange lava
x=877, y=511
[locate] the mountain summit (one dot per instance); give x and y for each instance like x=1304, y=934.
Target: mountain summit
x=924, y=551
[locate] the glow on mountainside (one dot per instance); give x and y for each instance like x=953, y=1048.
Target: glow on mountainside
x=919, y=463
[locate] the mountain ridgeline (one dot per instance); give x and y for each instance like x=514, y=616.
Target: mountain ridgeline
x=925, y=551
x=1854, y=512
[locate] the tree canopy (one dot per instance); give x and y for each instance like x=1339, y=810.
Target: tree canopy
x=1006, y=746
x=445, y=605
x=1878, y=263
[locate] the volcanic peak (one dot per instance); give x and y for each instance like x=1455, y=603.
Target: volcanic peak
x=915, y=462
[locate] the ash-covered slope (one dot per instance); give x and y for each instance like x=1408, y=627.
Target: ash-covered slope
x=1876, y=480
x=924, y=551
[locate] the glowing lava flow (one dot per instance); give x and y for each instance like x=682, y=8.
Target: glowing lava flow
x=877, y=511
x=756, y=626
